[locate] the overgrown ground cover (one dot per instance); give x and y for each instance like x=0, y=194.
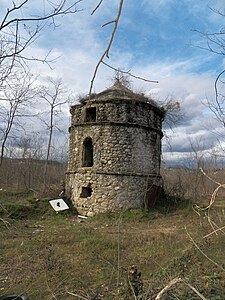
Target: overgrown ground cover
x=51, y=256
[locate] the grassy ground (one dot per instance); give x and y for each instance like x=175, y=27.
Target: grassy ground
x=48, y=256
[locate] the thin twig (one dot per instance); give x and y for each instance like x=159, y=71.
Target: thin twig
x=204, y=173
x=216, y=90
x=172, y=283
x=218, y=229
x=106, y=52
x=76, y=295
x=167, y=288
x=114, y=29
x=195, y=244
x=100, y=2
x=197, y=208
x=107, y=23
x=53, y=295
x=129, y=73
x=58, y=10
x=5, y=222
x=194, y=289
x=132, y=289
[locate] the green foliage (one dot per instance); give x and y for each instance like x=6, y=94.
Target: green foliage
x=132, y=215
x=21, y=196
x=24, y=205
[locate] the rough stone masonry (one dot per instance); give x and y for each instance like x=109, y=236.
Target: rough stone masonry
x=114, y=152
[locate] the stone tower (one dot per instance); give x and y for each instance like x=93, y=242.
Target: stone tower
x=114, y=151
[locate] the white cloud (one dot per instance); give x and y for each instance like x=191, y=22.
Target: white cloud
x=190, y=90
x=76, y=69
x=80, y=41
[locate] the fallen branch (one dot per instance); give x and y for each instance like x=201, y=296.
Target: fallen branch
x=197, y=208
x=167, y=288
x=172, y=283
x=195, y=244
x=5, y=222
x=76, y=295
x=46, y=281
x=195, y=290
x=219, y=229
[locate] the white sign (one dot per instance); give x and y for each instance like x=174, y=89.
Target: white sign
x=58, y=204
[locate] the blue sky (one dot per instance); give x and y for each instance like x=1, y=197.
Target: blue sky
x=156, y=40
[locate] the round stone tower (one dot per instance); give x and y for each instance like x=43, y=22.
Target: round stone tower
x=114, y=152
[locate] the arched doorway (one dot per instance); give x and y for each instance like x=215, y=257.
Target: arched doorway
x=87, y=159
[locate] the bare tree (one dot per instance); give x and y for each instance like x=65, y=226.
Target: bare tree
x=55, y=96
x=14, y=103
x=173, y=112
x=27, y=150
x=19, y=28
x=215, y=43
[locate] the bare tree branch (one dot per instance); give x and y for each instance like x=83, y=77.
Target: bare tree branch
x=215, y=43
x=97, y=7
x=55, y=96
x=173, y=282
x=57, y=10
x=195, y=244
x=78, y=296
x=18, y=92
x=18, y=33
x=221, y=111
x=128, y=73
x=106, y=52
x=108, y=23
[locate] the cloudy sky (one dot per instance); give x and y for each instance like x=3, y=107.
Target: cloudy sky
x=156, y=39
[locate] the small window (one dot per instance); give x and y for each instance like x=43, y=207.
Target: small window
x=86, y=192
x=87, y=160
x=90, y=115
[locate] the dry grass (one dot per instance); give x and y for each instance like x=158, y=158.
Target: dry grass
x=192, y=183
x=46, y=255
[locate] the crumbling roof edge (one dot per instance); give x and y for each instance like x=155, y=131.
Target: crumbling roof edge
x=115, y=93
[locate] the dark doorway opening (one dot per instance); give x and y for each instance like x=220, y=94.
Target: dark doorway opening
x=90, y=115
x=86, y=192
x=152, y=195
x=87, y=160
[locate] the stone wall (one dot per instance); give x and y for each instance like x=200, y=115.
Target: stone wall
x=117, y=148
x=109, y=192
x=124, y=134
x=120, y=111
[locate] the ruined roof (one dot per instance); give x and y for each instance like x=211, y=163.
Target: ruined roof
x=118, y=92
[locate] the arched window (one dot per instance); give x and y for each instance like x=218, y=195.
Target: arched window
x=87, y=160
